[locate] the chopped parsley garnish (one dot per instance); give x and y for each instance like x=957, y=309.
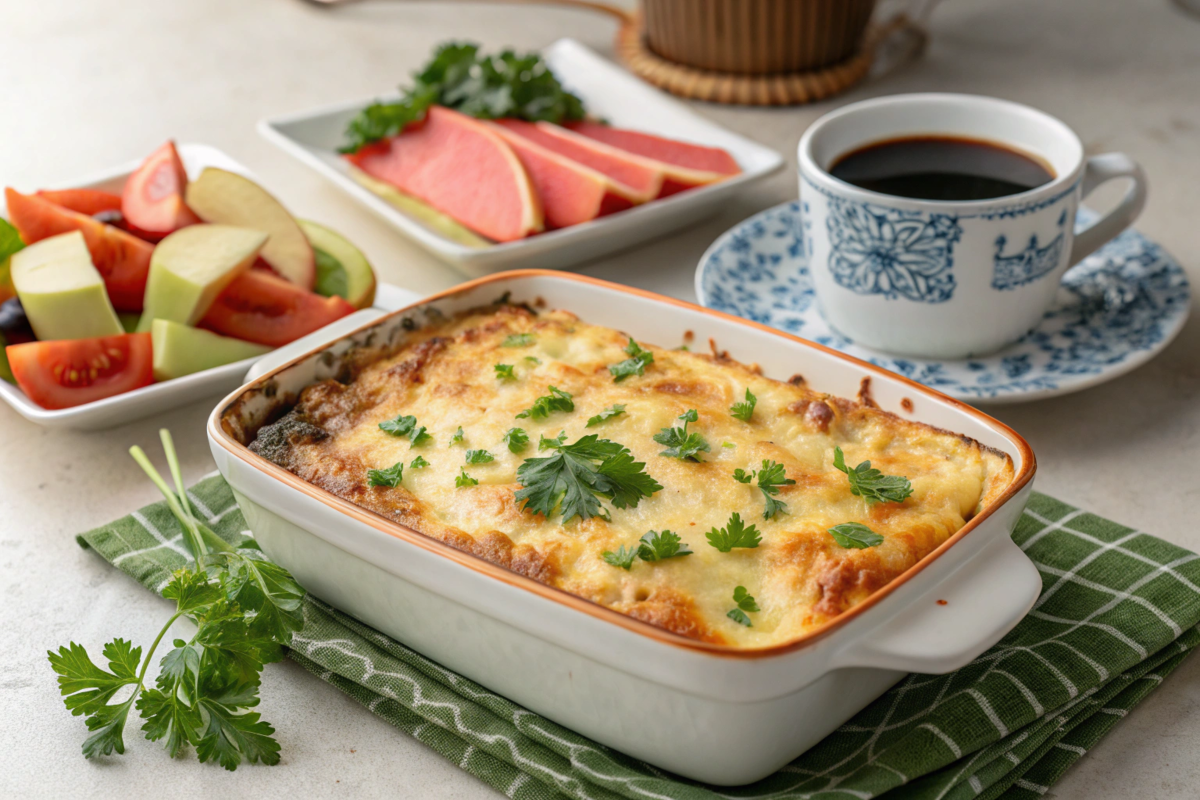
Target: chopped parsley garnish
x=655, y=546
x=745, y=409
x=457, y=438
x=551, y=444
x=636, y=364
x=418, y=463
x=770, y=477
x=479, y=457
x=730, y=445
x=464, y=479
x=745, y=603
x=871, y=484
x=533, y=360
x=734, y=534
x=578, y=475
x=406, y=426
x=516, y=439
x=622, y=558
x=681, y=444
x=505, y=372
x=386, y=477
x=855, y=535
x=607, y=413
x=518, y=340
x=557, y=400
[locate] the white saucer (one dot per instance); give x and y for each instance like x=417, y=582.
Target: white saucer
x=1115, y=311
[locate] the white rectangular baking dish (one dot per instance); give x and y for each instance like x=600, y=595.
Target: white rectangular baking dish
x=610, y=93
x=709, y=713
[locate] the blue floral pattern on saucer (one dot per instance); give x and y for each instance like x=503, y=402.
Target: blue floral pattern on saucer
x=1115, y=311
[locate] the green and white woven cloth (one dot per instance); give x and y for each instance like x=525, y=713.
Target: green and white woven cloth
x=1118, y=612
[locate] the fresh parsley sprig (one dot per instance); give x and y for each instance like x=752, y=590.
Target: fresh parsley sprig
x=245, y=610
x=855, y=535
x=518, y=340
x=457, y=437
x=734, y=534
x=655, y=546
x=871, y=484
x=636, y=364
x=418, y=463
x=406, y=426
x=770, y=477
x=516, y=439
x=623, y=558
x=504, y=372
x=608, y=413
x=556, y=400
x=546, y=443
x=390, y=477
x=579, y=475
x=479, y=457
x=745, y=409
x=681, y=444
x=745, y=603
x=464, y=480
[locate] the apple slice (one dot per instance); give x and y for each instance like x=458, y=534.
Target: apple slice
x=342, y=269
x=192, y=266
x=61, y=291
x=226, y=197
x=152, y=202
x=180, y=350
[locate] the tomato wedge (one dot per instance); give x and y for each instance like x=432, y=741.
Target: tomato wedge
x=83, y=201
x=68, y=373
x=153, y=198
x=122, y=259
x=261, y=308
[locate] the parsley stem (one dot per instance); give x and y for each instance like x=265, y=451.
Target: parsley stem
x=153, y=647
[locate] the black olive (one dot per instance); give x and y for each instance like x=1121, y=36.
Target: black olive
x=111, y=216
x=14, y=325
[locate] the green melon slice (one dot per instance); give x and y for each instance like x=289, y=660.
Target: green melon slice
x=62, y=292
x=180, y=350
x=342, y=269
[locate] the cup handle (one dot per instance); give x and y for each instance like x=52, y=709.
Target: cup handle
x=1101, y=169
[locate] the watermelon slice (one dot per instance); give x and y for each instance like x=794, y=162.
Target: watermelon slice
x=638, y=179
x=571, y=193
x=686, y=165
x=122, y=259
x=461, y=167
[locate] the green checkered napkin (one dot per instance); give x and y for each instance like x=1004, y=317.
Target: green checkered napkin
x=1118, y=612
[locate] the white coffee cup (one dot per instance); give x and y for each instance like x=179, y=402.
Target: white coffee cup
x=949, y=279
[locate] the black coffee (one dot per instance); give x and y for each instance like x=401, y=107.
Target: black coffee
x=941, y=168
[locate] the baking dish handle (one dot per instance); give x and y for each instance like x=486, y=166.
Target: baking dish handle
x=952, y=624
x=331, y=332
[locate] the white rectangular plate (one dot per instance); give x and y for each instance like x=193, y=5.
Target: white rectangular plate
x=608, y=92
x=159, y=397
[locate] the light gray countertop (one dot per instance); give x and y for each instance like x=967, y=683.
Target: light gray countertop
x=85, y=85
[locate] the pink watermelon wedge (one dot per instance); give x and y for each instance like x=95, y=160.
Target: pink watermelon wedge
x=686, y=165
x=461, y=167
x=571, y=193
x=639, y=179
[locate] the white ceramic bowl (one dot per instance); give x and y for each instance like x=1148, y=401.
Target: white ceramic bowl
x=608, y=92
x=657, y=696
x=158, y=397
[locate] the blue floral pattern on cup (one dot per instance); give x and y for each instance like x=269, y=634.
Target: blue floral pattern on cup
x=878, y=250
x=1116, y=309
x=1012, y=270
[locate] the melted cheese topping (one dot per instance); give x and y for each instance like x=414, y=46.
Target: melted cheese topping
x=799, y=575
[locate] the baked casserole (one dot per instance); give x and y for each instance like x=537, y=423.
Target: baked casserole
x=681, y=488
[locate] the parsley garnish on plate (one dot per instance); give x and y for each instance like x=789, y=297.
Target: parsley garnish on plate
x=745, y=409
x=871, y=484
x=245, y=610
x=406, y=426
x=578, y=475
x=504, y=372
x=745, y=603
x=655, y=546
x=479, y=457
x=516, y=439
x=681, y=444
x=608, y=413
x=855, y=535
x=386, y=477
x=545, y=443
x=636, y=364
x=533, y=360
x=518, y=340
x=770, y=477
x=464, y=479
x=622, y=558
x=418, y=463
x=734, y=534
x=557, y=400
x=457, y=438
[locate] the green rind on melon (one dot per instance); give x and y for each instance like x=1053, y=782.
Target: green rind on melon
x=61, y=291
x=180, y=350
x=424, y=213
x=342, y=269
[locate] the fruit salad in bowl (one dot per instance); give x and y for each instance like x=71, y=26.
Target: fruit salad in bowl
x=155, y=276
